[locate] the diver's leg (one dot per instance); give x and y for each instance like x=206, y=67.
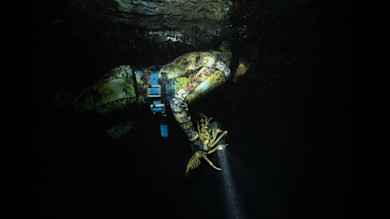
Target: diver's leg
x=120, y=129
x=114, y=95
x=115, y=91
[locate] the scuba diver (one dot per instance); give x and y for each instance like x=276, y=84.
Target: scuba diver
x=175, y=85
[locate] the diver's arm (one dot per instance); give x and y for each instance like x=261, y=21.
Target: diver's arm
x=203, y=81
x=179, y=107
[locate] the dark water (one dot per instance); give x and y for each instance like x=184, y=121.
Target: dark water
x=292, y=122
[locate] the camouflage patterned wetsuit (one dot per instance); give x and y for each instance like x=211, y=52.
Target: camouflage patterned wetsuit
x=183, y=80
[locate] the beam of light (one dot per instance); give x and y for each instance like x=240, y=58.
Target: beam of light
x=232, y=200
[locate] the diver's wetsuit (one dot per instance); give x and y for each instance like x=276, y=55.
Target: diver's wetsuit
x=183, y=80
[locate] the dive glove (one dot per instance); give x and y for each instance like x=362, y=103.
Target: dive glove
x=198, y=145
